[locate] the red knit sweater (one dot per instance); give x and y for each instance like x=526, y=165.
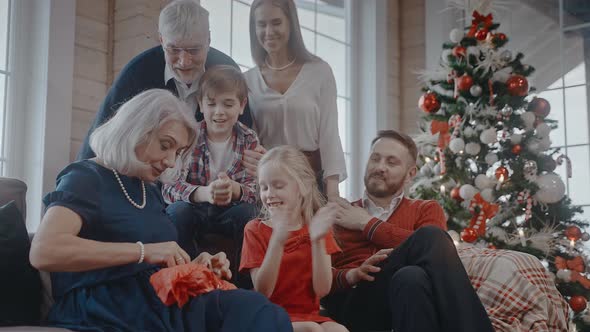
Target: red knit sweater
x=357, y=246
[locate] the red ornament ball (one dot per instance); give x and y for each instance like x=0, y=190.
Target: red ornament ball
x=501, y=172
x=469, y=235
x=573, y=233
x=517, y=85
x=501, y=36
x=540, y=107
x=464, y=82
x=578, y=303
x=459, y=51
x=455, y=194
x=481, y=35
x=516, y=149
x=429, y=103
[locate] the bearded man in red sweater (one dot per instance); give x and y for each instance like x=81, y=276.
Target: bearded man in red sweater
x=398, y=268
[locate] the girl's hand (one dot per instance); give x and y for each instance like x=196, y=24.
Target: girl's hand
x=322, y=221
x=165, y=254
x=280, y=225
x=218, y=264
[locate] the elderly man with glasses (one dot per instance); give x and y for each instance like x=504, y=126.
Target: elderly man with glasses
x=176, y=65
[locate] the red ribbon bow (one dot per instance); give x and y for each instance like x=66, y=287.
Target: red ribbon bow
x=574, y=264
x=486, y=211
x=442, y=129
x=478, y=19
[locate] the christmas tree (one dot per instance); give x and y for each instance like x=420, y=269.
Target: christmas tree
x=486, y=156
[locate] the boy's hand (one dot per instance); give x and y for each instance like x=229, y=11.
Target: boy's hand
x=221, y=190
x=251, y=159
x=321, y=223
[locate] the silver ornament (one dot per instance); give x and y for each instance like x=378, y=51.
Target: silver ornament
x=506, y=55
x=530, y=170
x=585, y=236
x=507, y=110
x=475, y=90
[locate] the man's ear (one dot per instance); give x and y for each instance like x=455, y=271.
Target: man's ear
x=411, y=174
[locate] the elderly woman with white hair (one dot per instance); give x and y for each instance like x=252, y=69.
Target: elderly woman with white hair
x=105, y=233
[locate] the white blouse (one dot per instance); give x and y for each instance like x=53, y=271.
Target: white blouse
x=305, y=116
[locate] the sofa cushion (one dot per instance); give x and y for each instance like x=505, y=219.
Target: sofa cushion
x=20, y=285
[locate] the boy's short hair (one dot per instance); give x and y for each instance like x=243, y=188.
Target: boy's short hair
x=221, y=79
x=404, y=139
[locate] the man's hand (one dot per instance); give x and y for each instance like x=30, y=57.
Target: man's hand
x=251, y=159
x=322, y=221
x=218, y=264
x=353, y=217
x=361, y=273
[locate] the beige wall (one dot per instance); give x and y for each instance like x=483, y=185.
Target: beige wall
x=406, y=45
x=90, y=67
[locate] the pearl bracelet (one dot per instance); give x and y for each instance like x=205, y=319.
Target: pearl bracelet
x=141, y=252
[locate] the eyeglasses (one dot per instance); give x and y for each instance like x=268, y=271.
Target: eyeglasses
x=175, y=51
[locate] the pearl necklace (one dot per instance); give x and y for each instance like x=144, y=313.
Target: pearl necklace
x=127, y=194
x=279, y=68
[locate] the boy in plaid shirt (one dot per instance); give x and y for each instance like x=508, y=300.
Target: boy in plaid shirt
x=217, y=195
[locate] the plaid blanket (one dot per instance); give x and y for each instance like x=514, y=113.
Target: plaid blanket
x=516, y=290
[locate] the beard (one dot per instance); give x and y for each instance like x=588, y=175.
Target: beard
x=376, y=185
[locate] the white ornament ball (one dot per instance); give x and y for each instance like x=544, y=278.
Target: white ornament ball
x=533, y=146
x=491, y=158
x=488, y=136
x=469, y=132
x=506, y=55
x=515, y=138
x=436, y=169
x=472, y=148
x=475, y=90
x=565, y=275
x=551, y=188
x=528, y=118
x=502, y=75
x=467, y=192
x=482, y=181
x=543, y=130
x=545, y=143
x=488, y=195
x=425, y=170
x=456, y=35
x=456, y=145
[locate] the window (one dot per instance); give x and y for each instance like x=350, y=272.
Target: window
x=4, y=78
x=324, y=26
x=554, y=37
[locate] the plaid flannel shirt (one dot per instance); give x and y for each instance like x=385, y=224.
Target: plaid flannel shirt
x=198, y=173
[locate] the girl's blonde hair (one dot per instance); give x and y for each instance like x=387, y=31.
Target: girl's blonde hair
x=296, y=165
x=295, y=44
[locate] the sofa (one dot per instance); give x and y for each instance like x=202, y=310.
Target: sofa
x=35, y=296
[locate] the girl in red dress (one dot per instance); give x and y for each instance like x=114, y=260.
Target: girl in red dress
x=288, y=250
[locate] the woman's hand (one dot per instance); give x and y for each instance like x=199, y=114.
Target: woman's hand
x=251, y=159
x=321, y=223
x=218, y=263
x=360, y=273
x=167, y=254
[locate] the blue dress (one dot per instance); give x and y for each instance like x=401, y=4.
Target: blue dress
x=121, y=298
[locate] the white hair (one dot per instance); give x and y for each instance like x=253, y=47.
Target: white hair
x=180, y=19
x=135, y=122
